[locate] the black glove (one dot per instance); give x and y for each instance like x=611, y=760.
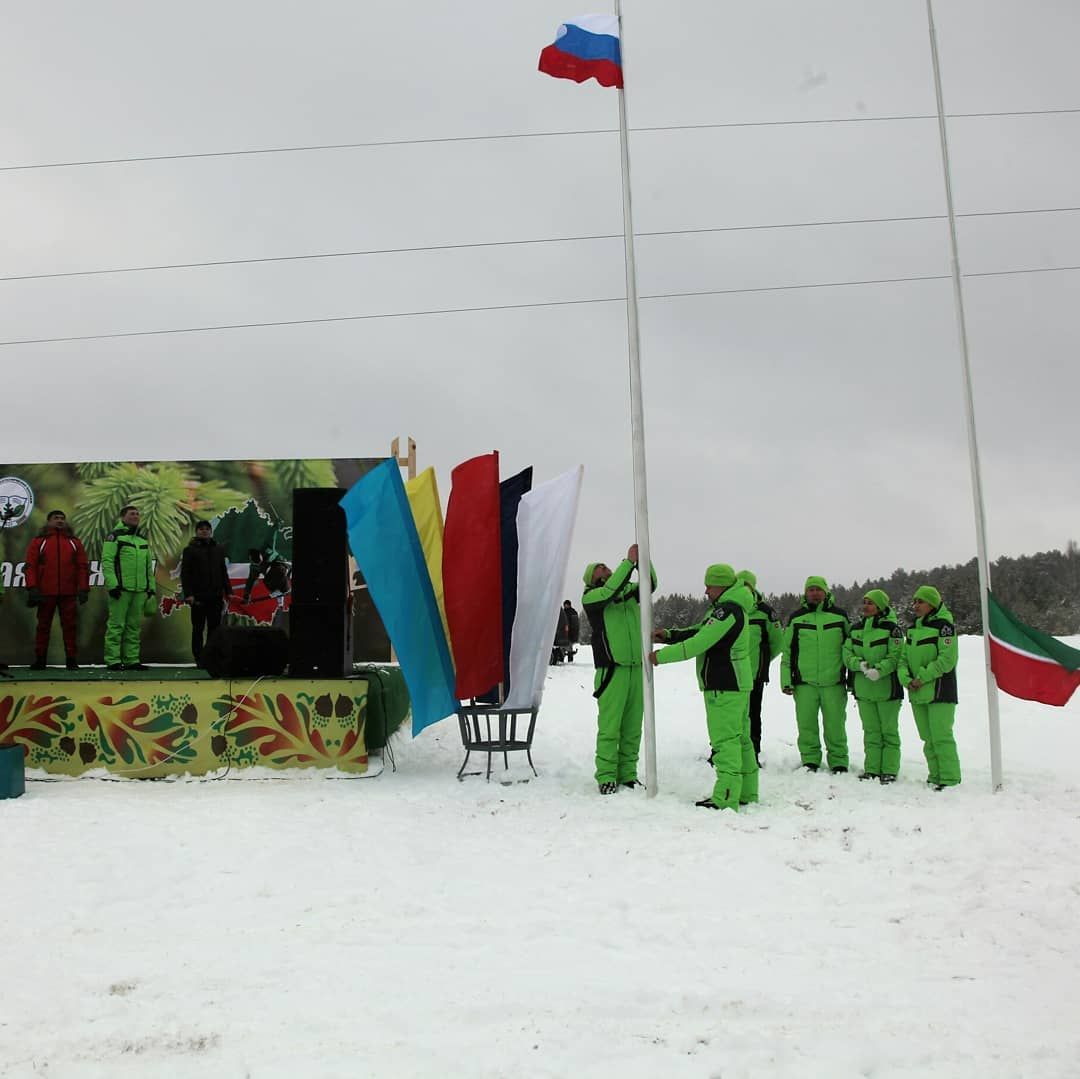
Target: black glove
x=33, y=598
x=84, y=596
x=116, y=593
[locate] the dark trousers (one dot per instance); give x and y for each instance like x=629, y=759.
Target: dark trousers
x=46, y=609
x=205, y=618
x=755, y=716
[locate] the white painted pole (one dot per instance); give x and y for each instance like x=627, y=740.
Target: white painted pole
x=969, y=413
x=637, y=431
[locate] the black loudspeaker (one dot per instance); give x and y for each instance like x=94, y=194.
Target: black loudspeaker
x=245, y=651
x=320, y=546
x=320, y=640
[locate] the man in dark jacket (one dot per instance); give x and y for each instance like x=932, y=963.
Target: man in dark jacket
x=204, y=580
x=57, y=576
x=573, y=627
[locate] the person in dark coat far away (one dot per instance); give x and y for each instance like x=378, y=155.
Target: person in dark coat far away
x=204, y=580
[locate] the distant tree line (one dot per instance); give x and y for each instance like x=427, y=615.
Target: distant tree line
x=1042, y=589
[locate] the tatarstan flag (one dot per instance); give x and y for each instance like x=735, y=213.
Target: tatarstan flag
x=1028, y=663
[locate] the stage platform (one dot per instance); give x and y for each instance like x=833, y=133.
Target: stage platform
x=178, y=720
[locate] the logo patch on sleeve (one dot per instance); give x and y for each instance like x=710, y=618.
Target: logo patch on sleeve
x=947, y=631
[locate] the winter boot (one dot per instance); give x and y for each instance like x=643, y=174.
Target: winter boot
x=887, y=779
x=707, y=803
x=608, y=788
x=869, y=775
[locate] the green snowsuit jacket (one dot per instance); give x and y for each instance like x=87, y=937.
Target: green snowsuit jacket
x=930, y=654
x=720, y=643
x=878, y=642
x=615, y=617
x=125, y=560
x=766, y=638
x=813, y=645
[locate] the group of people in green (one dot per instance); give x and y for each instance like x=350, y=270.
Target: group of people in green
x=823, y=658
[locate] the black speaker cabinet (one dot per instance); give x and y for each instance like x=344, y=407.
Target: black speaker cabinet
x=320, y=544
x=246, y=651
x=320, y=640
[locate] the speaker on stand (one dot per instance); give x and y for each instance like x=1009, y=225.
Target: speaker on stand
x=320, y=623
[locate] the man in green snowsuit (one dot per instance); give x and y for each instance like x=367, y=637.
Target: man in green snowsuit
x=125, y=562
x=766, y=638
x=928, y=671
x=812, y=671
x=872, y=653
x=720, y=646
x=611, y=606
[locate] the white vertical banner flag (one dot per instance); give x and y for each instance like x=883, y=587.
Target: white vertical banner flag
x=545, y=524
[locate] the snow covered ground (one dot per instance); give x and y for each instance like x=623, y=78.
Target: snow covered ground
x=412, y=925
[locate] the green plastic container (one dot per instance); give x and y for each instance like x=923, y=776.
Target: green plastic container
x=12, y=771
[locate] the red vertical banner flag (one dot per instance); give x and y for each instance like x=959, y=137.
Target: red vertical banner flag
x=472, y=575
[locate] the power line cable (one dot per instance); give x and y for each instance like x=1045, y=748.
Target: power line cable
x=375, y=143
x=512, y=307
x=519, y=243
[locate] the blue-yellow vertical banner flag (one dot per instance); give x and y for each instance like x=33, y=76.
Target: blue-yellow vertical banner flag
x=386, y=546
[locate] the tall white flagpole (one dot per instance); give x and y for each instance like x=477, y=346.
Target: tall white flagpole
x=637, y=431
x=969, y=412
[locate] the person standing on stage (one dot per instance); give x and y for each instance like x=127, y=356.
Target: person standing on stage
x=126, y=564
x=204, y=581
x=57, y=578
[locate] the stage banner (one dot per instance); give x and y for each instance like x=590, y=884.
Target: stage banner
x=249, y=504
x=148, y=729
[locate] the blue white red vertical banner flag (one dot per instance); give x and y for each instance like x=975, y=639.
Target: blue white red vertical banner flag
x=586, y=47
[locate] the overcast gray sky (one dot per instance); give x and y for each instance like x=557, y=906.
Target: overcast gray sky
x=792, y=432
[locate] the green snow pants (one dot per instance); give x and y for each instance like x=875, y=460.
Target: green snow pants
x=881, y=736
x=618, y=726
x=831, y=701
x=935, y=724
x=727, y=716
x=122, y=628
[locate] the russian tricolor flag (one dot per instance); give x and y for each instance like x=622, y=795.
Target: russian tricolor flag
x=586, y=48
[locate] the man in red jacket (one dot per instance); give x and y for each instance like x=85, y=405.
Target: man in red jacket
x=57, y=574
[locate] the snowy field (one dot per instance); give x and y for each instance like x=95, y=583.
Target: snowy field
x=414, y=925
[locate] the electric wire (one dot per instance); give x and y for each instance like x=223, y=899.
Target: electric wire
x=378, y=143
x=517, y=306
x=588, y=238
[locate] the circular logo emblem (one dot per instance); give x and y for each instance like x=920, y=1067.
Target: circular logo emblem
x=16, y=501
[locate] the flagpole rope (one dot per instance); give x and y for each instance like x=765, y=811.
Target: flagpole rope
x=379, y=143
x=371, y=252
x=519, y=306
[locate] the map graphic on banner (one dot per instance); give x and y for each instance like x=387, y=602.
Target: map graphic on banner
x=248, y=502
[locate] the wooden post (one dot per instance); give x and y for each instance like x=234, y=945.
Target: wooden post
x=409, y=461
